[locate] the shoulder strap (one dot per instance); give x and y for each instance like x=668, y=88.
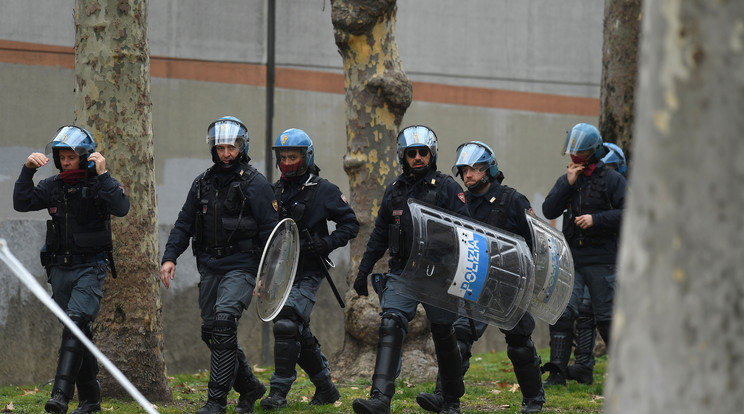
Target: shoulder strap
x=499, y=206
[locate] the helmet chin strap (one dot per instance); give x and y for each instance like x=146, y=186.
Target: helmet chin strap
x=479, y=184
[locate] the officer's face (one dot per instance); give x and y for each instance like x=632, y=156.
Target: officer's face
x=290, y=156
x=471, y=175
x=68, y=159
x=418, y=157
x=227, y=152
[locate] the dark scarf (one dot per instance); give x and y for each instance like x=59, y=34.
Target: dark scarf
x=72, y=177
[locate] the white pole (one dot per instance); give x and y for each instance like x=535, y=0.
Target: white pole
x=25, y=276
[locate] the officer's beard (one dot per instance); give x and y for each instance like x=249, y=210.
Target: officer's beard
x=478, y=186
x=419, y=171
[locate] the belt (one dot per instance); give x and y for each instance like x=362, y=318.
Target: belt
x=73, y=258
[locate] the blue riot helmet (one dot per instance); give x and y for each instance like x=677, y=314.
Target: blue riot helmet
x=228, y=130
x=74, y=138
x=583, y=137
x=298, y=139
x=472, y=153
x=417, y=136
x=615, y=156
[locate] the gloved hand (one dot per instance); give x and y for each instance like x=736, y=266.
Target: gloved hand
x=314, y=247
x=360, y=284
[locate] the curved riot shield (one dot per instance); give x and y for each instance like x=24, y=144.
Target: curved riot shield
x=466, y=267
x=276, y=271
x=554, y=271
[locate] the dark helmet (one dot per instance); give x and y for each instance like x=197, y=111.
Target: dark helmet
x=417, y=136
x=615, y=156
x=476, y=152
x=228, y=130
x=298, y=139
x=74, y=138
x=583, y=137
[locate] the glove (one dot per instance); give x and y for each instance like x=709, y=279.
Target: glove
x=360, y=284
x=314, y=247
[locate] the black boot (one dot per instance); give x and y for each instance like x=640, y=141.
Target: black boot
x=560, y=353
x=393, y=329
x=523, y=355
x=247, y=385
x=90, y=397
x=276, y=399
x=315, y=365
x=325, y=394
x=450, y=366
x=223, y=363
x=583, y=368
x=432, y=401
x=70, y=358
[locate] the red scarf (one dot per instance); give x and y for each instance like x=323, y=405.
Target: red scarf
x=72, y=177
x=589, y=169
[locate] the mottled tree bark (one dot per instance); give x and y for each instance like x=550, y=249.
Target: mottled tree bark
x=112, y=71
x=378, y=93
x=622, y=24
x=677, y=331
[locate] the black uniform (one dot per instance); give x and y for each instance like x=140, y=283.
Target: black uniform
x=594, y=250
x=311, y=202
x=76, y=256
x=228, y=215
x=394, y=232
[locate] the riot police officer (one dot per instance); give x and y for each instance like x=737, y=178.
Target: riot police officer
x=228, y=215
x=504, y=208
x=77, y=251
x=393, y=232
x=311, y=202
x=592, y=196
x=582, y=370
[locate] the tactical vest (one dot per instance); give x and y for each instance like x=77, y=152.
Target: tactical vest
x=80, y=226
x=499, y=206
x=296, y=211
x=595, y=200
x=400, y=233
x=224, y=222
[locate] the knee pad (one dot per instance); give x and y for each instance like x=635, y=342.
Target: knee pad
x=393, y=321
x=286, y=328
x=206, y=334
x=225, y=323
x=521, y=354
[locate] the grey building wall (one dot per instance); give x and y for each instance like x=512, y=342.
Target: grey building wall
x=535, y=47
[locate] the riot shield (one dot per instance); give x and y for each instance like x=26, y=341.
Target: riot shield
x=276, y=271
x=554, y=271
x=466, y=267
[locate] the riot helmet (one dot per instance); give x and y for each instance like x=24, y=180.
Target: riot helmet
x=76, y=139
x=584, y=137
x=228, y=130
x=615, y=156
x=294, y=139
x=472, y=153
x=418, y=137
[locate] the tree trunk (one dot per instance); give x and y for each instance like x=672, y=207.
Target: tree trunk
x=112, y=71
x=378, y=93
x=677, y=331
x=622, y=24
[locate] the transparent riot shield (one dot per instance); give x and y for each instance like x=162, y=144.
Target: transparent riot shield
x=554, y=271
x=464, y=266
x=277, y=268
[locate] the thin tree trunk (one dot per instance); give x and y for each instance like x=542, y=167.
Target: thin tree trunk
x=378, y=93
x=677, y=330
x=622, y=25
x=112, y=70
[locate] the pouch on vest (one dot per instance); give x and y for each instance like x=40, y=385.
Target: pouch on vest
x=240, y=228
x=52, y=238
x=394, y=239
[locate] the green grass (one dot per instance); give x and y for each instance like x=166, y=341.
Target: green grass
x=490, y=387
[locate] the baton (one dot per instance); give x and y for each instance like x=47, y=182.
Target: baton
x=327, y=275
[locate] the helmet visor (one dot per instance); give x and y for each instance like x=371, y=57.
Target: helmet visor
x=471, y=154
x=579, y=140
x=73, y=138
x=227, y=132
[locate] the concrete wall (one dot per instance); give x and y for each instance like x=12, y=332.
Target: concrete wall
x=516, y=75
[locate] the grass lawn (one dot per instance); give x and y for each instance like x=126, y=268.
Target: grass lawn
x=490, y=386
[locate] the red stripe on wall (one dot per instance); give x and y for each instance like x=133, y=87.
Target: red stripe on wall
x=36, y=54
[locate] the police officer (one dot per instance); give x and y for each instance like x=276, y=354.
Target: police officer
x=229, y=214
x=311, y=202
x=77, y=251
x=504, y=208
x=582, y=370
x=592, y=196
x=417, y=153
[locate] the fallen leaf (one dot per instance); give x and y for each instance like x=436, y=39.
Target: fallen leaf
x=8, y=407
x=35, y=391
x=514, y=388
x=495, y=392
x=256, y=368
x=337, y=404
